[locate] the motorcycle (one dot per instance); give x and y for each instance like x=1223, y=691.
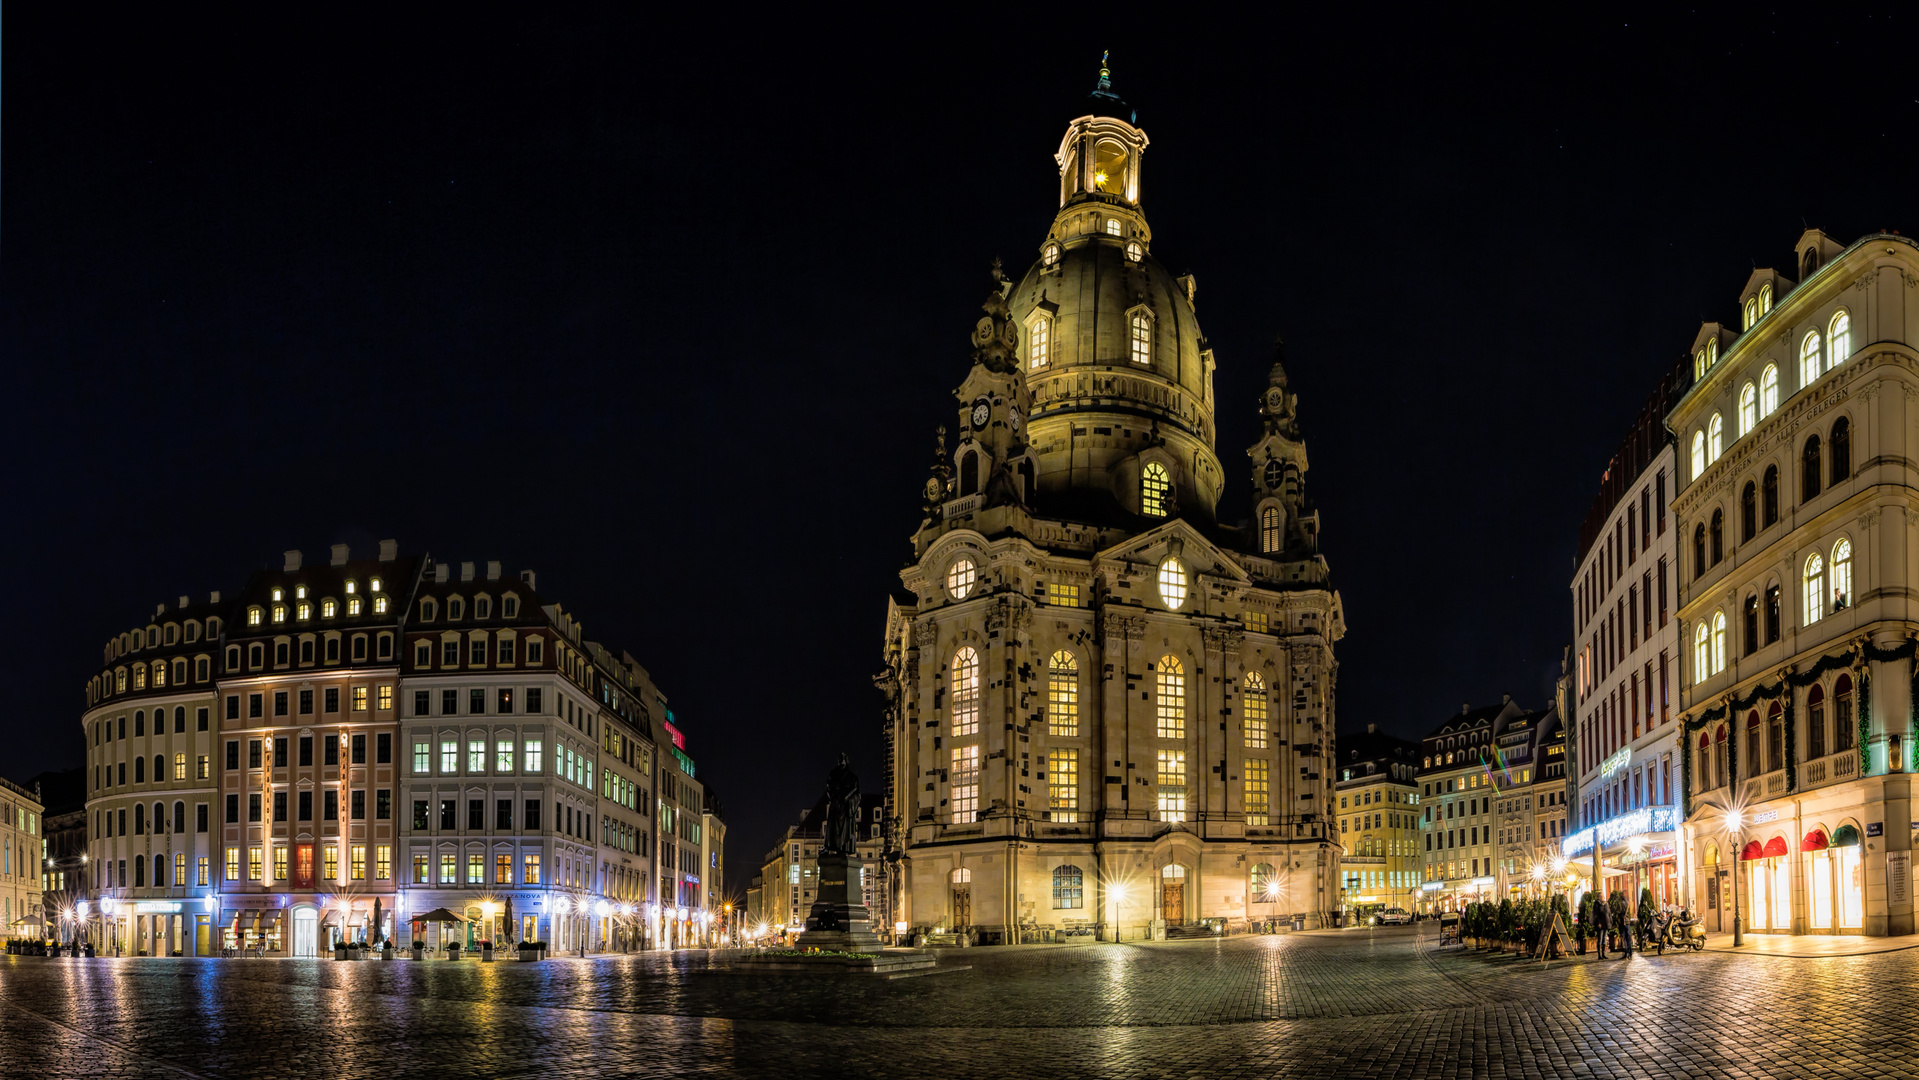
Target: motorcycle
x=1680, y=931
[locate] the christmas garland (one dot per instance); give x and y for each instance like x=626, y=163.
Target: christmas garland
x=1865, y=722
x=1792, y=751
x=1686, y=751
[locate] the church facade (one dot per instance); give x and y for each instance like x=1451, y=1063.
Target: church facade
x=1108, y=711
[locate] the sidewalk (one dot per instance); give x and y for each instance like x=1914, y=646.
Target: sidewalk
x=1812, y=945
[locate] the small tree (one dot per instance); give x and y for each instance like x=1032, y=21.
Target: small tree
x=1508, y=921
x=1584, y=928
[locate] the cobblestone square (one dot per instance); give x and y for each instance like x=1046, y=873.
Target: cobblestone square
x=1372, y=1003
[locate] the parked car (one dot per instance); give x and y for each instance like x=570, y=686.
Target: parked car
x=1393, y=916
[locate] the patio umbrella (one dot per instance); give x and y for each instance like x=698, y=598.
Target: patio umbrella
x=438, y=914
x=507, y=918
x=30, y=920
x=376, y=921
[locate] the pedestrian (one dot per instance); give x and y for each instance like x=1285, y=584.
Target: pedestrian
x=1602, y=921
x=1623, y=922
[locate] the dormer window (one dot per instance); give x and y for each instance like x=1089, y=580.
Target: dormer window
x=278, y=594
x=352, y=605
x=1765, y=299
x=379, y=605
x=350, y=587
x=1141, y=336
x=510, y=606
x=374, y=585
x=1039, y=342
x=299, y=592
x=329, y=608
x=427, y=608
x=1752, y=312
x=482, y=607
x=279, y=611
x=303, y=610
x=1049, y=255
x=455, y=607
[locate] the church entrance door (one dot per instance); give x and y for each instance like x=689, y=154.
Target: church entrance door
x=963, y=906
x=1175, y=903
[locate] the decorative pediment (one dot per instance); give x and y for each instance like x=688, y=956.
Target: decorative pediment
x=1176, y=537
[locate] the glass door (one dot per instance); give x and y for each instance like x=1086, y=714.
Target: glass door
x=306, y=930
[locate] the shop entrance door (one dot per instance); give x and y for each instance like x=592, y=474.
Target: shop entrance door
x=202, y=935
x=306, y=932
x=1175, y=903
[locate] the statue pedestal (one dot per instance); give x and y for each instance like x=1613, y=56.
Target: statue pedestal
x=839, y=919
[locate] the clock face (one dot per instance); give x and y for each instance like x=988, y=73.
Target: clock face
x=1012, y=418
x=1275, y=398
x=932, y=489
x=980, y=413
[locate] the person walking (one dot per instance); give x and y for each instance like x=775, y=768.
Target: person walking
x=1602, y=921
x=1623, y=921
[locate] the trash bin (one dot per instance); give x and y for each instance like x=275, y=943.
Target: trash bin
x=1299, y=922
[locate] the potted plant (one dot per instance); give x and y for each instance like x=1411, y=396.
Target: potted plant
x=453, y=949
x=530, y=950
x=486, y=950
x=1583, y=929
x=419, y=948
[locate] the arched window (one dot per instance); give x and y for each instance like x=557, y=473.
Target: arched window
x=1172, y=583
x=1765, y=299
x=1039, y=340
x=1719, y=758
x=1838, y=340
x=1815, y=588
x=1752, y=312
x=1775, y=739
x=1748, y=408
x=1701, y=652
x=1269, y=530
x=1841, y=574
x=969, y=473
x=140, y=770
x=1698, y=454
x=1699, y=551
x=1718, y=642
x=961, y=577
x=1815, y=723
x=1769, y=390
x=1839, y=449
x=962, y=876
x=1062, y=695
x=1808, y=264
x=1142, y=336
x=1712, y=352
x=1699, y=365
x=1715, y=438
x=1170, y=679
x=1751, y=627
x=1809, y=469
x=1256, y=711
x=1263, y=884
x=1753, y=764
x=139, y=818
x=179, y=817
x=159, y=763
x=1809, y=358
x=1844, y=738
x=1704, y=763
x=1069, y=888
x=1772, y=613
x=1154, y=484
x=1748, y=512
x=1770, y=492
x=1718, y=535
x=966, y=692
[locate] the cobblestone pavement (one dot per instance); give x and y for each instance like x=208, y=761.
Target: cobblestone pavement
x=1369, y=1004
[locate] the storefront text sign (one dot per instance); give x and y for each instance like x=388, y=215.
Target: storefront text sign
x=1875, y=828
x=1898, y=877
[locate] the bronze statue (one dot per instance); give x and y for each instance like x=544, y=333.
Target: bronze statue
x=842, y=834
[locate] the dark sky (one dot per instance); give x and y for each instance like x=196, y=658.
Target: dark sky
x=668, y=311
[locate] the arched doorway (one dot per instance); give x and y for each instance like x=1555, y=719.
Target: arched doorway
x=962, y=897
x=306, y=931
x=1172, y=894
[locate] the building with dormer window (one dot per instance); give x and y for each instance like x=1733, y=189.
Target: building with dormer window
x=1108, y=708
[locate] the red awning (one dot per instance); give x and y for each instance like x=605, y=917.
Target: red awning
x=1814, y=841
x=1777, y=846
x=1752, y=851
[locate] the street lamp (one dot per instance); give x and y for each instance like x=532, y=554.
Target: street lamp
x=1733, y=821
x=1117, y=890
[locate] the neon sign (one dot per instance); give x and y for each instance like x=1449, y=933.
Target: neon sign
x=1646, y=819
x=1618, y=761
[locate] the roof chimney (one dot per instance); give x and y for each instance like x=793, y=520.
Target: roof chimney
x=1506, y=699
x=1372, y=729
x=339, y=555
x=389, y=550
x=293, y=560
x=440, y=572
x=466, y=571
x=183, y=603
x=215, y=598
x=159, y=610
x=1464, y=708
x=493, y=571
x=527, y=576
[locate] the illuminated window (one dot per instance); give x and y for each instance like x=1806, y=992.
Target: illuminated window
x=530, y=870
x=1712, y=352
x=1699, y=365
x=961, y=577
x=1172, y=583
x=1765, y=299
x=1256, y=711
x=1254, y=621
x=1809, y=357
x=385, y=699
x=1134, y=252
x=1748, y=408
x=1062, y=595
x=1839, y=340
x=255, y=864
x=303, y=611
x=1769, y=390
x=1170, y=681
x=475, y=868
x=1715, y=438
x=1752, y=312
x=965, y=781
x=279, y=594
x=1112, y=224
x=353, y=605
x=1718, y=642
x=1154, y=484
x=356, y=862
x=1142, y=337
x=1172, y=785
x=1069, y=887
x=503, y=761
x=1050, y=255
x=966, y=692
x=530, y=758
x=379, y=605
x=328, y=608
x=179, y=766
x=1258, y=791
x=449, y=875
x=383, y=861
x=359, y=699
x=1815, y=588
x=449, y=755
x=374, y=585
x=1062, y=784
x=1702, y=652
x=1841, y=574
x=279, y=613
x=1039, y=338
x=476, y=756
x=233, y=864
x=1269, y=538
x=1698, y=454
x=1062, y=695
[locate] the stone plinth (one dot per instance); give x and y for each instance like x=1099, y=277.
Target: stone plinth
x=839, y=919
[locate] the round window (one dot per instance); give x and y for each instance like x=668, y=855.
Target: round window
x=1050, y=254
x=1172, y=583
x=1274, y=473
x=1134, y=252
x=961, y=577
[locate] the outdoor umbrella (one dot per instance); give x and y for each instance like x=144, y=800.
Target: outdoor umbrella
x=373, y=937
x=508, y=920
x=439, y=915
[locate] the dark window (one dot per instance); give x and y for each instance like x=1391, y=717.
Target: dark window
x=332, y=699
x=533, y=700
x=280, y=653
x=279, y=806
x=256, y=656
x=139, y=819
x=503, y=815
x=530, y=820
x=306, y=703
x=1770, y=497
x=306, y=806
x=1841, y=449
x=359, y=646
x=306, y=750
x=449, y=703
x=123, y=727
x=476, y=651
x=253, y=807
x=1659, y=500
x=383, y=804
x=233, y=753
x=280, y=752
x=139, y=770
x=179, y=817
x=1752, y=624
x=233, y=657
x=233, y=708
x=139, y=867
x=200, y=717
x=359, y=749
x=383, y=749
x=140, y=723
x=330, y=805
x=419, y=813
x=969, y=473
x=306, y=650
x=200, y=817
x=420, y=702
x=476, y=814
x=180, y=720
x=1808, y=264
x=450, y=652
x=1748, y=512
x=1699, y=563
x=423, y=655
x=1718, y=536
x=1815, y=724
x=1844, y=737
x=200, y=670
x=333, y=650
x=357, y=803
x=506, y=702
x=447, y=820
x=256, y=705
x=253, y=753
x=476, y=702
x=332, y=751
x=1809, y=469
x=1772, y=614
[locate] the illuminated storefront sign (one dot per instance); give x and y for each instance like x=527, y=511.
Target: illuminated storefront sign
x=157, y=907
x=1618, y=761
x=1646, y=819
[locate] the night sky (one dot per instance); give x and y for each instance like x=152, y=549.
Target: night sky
x=668, y=312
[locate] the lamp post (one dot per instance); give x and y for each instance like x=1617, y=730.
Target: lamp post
x=1733, y=820
x=1117, y=891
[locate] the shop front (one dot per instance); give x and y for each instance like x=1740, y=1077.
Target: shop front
x=1637, y=851
x=1447, y=897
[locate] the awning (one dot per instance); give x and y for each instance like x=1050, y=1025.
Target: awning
x=1776, y=846
x=1845, y=836
x=1752, y=851
x=268, y=919
x=1814, y=841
